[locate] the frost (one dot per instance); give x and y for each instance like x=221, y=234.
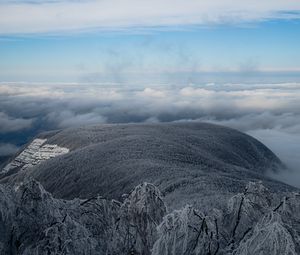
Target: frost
x=33, y=222
x=269, y=237
x=139, y=216
x=251, y=224
x=244, y=210
x=186, y=231
x=189, y=162
x=36, y=152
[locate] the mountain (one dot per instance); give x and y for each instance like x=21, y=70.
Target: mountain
x=147, y=189
x=191, y=163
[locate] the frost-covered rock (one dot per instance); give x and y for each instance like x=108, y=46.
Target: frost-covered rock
x=251, y=224
x=35, y=153
x=142, y=212
x=41, y=224
x=7, y=214
x=269, y=237
x=187, y=231
x=33, y=222
x=244, y=210
x=289, y=209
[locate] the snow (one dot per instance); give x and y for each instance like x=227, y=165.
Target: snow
x=269, y=237
x=35, y=153
x=33, y=222
x=148, y=189
x=188, y=162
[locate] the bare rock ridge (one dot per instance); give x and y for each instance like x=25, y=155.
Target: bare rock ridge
x=183, y=160
x=252, y=222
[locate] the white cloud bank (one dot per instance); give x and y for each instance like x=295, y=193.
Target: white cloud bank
x=57, y=16
x=242, y=106
x=287, y=147
x=269, y=112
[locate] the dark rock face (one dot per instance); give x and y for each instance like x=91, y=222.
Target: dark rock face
x=183, y=160
x=253, y=222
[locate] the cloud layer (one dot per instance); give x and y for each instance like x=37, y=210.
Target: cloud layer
x=12, y=124
x=7, y=149
x=287, y=147
x=62, y=15
x=242, y=106
x=269, y=112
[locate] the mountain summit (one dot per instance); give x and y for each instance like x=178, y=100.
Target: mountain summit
x=191, y=163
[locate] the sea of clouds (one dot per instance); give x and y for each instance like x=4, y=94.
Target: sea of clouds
x=269, y=112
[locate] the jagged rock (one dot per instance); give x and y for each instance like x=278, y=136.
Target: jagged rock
x=289, y=209
x=254, y=222
x=41, y=224
x=244, y=210
x=187, y=231
x=33, y=222
x=142, y=212
x=269, y=237
x=249, y=225
x=7, y=209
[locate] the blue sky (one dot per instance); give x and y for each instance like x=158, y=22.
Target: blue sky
x=254, y=42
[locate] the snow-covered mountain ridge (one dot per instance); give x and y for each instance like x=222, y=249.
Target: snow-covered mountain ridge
x=191, y=163
x=209, y=194
x=253, y=222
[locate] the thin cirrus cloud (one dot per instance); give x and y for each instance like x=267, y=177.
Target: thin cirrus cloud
x=62, y=15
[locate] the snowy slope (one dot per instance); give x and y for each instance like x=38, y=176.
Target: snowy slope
x=188, y=162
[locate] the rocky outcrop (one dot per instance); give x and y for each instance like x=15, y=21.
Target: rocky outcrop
x=254, y=222
x=251, y=224
x=35, y=153
x=269, y=236
x=33, y=222
x=187, y=231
